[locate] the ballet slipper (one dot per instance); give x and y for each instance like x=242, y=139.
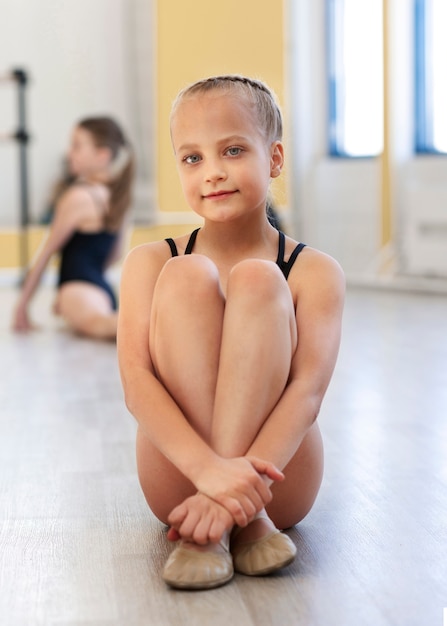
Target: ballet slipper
x=198, y=567
x=264, y=555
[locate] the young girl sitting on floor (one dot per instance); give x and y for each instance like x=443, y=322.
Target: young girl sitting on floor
x=227, y=340
x=87, y=229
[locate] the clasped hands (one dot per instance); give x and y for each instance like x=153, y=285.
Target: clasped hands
x=230, y=493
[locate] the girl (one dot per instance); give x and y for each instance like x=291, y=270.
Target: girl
x=87, y=229
x=227, y=340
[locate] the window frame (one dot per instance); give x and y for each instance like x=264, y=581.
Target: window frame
x=423, y=88
x=334, y=79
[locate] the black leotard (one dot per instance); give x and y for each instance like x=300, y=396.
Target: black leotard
x=84, y=257
x=284, y=266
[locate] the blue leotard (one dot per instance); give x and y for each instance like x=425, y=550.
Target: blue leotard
x=284, y=266
x=84, y=258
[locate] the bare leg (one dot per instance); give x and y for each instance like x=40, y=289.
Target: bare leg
x=87, y=310
x=259, y=338
x=185, y=338
x=226, y=364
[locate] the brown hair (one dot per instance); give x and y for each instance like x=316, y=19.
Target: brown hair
x=107, y=133
x=255, y=91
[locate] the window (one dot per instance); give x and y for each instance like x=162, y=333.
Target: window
x=431, y=77
x=355, y=73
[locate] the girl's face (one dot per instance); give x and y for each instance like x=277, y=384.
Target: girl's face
x=85, y=158
x=224, y=161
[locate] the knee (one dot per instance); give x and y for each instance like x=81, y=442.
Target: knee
x=95, y=325
x=258, y=278
x=187, y=276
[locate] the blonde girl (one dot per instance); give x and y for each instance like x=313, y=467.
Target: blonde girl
x=227, y=340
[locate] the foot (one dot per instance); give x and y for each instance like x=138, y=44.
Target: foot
x=260, y=548
x=191, y=566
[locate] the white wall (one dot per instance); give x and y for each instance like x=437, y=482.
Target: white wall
x=420, y=181
x=336, y=202
x=78, y=54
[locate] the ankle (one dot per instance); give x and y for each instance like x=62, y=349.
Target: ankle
x=260, y=526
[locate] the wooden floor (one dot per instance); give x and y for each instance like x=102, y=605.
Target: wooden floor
x=78, y=545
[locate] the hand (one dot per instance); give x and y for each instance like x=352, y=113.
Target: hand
x=199, y=519
x=239, y=485
x=56, y=307
x=21, y=321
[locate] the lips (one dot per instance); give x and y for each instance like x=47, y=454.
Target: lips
x=216, y=195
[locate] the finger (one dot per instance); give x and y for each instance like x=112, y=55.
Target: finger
x=264, y=493
x=248, y=503
x=223, y=522
x=173, y=535
x=257, y=499
x=202, y=529
x=177, y=515
x=189, y=524
x=235, y=509
x=265, y=467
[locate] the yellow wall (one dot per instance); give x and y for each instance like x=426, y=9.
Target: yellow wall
x=202, y=38
x=10, y=243
x=194, y=40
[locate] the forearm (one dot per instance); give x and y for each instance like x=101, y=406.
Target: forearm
x=163, y=422
x=32, y=280
x=285, y=428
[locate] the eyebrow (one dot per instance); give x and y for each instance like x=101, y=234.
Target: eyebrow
x=224, y=140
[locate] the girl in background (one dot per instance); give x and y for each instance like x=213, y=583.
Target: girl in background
x=227, y=341
x=87, y=229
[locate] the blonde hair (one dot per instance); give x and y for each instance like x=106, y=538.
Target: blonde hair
x=255, y=91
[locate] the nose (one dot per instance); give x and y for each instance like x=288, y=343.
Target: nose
x=215, y=171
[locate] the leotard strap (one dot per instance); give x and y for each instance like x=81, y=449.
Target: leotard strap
x=284, y=266
x=189, y=245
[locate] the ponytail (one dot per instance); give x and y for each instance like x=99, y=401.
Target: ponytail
x=120, y=187
x=107, y=133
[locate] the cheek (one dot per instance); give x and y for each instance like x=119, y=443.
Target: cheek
x=188, y=183
x=255, y=179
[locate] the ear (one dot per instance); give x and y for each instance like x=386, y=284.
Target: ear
x=105, y=154
x=276, y=159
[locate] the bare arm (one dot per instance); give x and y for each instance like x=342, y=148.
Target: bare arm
x=69, y=212
x=320, y=298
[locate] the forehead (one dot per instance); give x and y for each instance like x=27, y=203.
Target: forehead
x=213, y=112
x=82, y=135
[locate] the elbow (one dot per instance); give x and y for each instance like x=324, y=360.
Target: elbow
x=315, y=407
x=129, y=398
x=129, y=404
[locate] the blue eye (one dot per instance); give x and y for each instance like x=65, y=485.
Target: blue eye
x=234, y=151
x=192, y=159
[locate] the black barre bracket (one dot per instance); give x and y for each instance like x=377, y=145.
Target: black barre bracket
x=20, y=76
x=21, y=136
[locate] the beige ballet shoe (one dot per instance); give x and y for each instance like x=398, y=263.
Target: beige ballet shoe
x=264, y=555
x=198, y=567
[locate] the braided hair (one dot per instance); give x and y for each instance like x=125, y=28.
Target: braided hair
x=255, y=91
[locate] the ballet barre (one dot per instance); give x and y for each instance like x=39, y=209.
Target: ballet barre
x=19, y=77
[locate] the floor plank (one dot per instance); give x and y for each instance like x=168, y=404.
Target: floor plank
x=78, y=546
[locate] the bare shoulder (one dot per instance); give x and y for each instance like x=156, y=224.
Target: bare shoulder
x=316, y=261
x=77, y=204
x=153, y=252
x=144, y=261
x=317, y=275
x=75, y=194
